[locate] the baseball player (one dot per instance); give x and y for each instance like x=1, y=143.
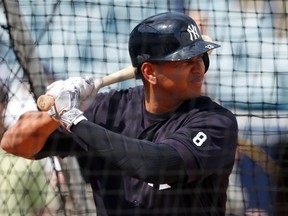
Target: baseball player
x=155, y=149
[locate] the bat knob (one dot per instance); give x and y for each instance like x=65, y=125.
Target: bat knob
x=45, y=102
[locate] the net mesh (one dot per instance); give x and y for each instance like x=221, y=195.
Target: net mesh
x=248, y=75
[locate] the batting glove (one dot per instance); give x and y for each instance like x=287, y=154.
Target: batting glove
x=69, y=94
x=87, y=99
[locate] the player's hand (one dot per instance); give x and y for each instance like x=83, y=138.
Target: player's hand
x=86, y=101
x=69, y=94
x=83, y=85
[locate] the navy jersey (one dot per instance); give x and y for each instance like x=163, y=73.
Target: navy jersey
x=200, y=130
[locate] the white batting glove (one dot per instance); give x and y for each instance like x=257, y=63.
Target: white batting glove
x=84, y=85
x=87, y=100
x=69, y=93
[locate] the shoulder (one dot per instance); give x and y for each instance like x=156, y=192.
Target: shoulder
x=206, y=103
x=211, y=112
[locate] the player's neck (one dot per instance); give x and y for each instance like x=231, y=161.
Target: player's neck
x=159, y=101
x=161, y=105
x=156, y=109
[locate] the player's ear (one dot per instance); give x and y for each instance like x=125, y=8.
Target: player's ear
x=148, y=72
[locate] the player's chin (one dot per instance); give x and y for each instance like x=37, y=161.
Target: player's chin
x=193, y=93
x=195, y=87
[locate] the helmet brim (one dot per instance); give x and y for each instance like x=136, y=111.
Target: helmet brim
x=189, y=51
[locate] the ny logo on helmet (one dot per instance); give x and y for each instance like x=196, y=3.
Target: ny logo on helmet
x=192, y=30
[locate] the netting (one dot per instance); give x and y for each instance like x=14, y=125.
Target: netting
x=45, y=40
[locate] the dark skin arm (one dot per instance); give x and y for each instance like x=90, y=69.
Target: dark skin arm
x=29, y=134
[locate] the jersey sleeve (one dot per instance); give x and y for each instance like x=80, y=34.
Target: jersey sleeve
x=206, y=144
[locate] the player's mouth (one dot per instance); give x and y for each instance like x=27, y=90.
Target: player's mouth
x=196, y=79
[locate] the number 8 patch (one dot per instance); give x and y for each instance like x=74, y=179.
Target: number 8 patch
x=200, y=138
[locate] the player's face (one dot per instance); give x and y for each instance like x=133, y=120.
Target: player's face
x=182, y=79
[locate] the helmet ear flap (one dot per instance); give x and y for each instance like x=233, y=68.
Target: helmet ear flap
x=138, y=74
x=206, y=61
x=140, y=60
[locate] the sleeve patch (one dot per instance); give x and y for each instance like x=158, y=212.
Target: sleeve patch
x=199, y=138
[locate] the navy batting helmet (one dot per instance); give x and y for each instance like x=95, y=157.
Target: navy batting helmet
x=169, y=36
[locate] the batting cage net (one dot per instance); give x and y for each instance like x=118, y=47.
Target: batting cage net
x=42, y=41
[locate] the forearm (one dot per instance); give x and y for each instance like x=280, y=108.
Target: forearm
x=154, y=163
x=29, y=134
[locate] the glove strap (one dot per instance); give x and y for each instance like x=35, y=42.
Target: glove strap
x=53, y=113
x=72, y=117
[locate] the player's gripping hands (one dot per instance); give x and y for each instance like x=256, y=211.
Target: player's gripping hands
x=71, y=98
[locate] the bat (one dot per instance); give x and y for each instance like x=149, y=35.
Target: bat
x=45, y=102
